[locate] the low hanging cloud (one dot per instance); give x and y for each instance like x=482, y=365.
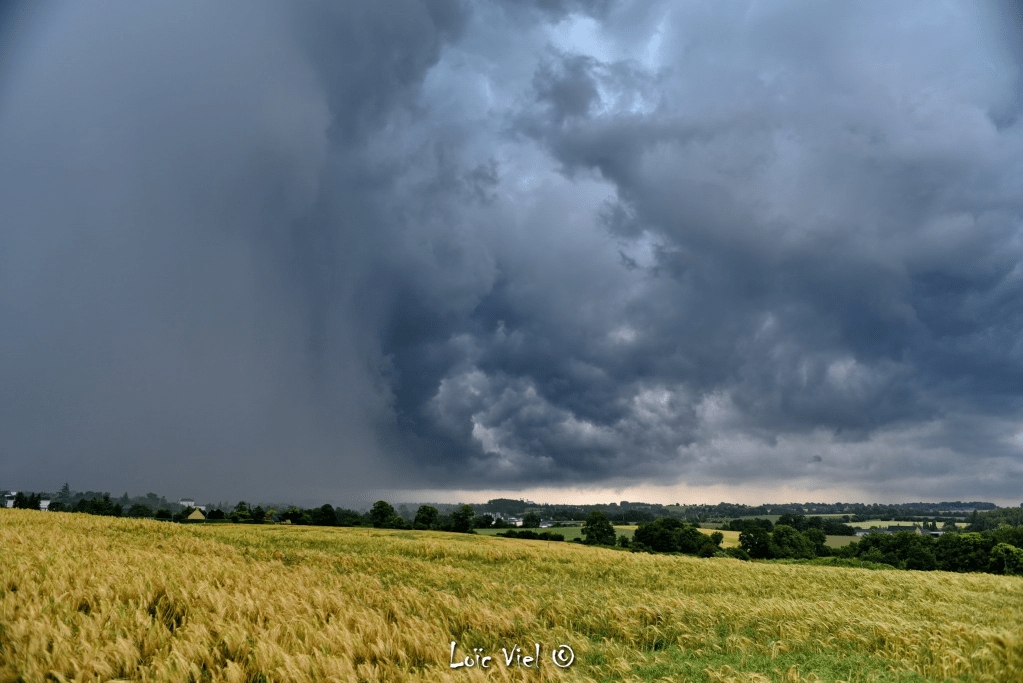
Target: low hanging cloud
x=309, y=250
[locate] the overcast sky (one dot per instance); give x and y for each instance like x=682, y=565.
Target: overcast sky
x=561, y=249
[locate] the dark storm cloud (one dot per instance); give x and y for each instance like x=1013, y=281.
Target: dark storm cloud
x=828, y=204
x=315, y=249
x=190, y=216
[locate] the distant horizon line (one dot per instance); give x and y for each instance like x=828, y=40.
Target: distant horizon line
x=363, y=503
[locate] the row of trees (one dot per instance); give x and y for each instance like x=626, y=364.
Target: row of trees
x=783, y=542
x=104, y=505
x=664, y=535
x=626, y=512
x=27, y=502
x=670, y=535
x=381, y=515
x=66, y=500
x=989, y=521
x=997, y=551
x=830, y=527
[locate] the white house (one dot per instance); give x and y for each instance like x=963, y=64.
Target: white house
x=8, y=501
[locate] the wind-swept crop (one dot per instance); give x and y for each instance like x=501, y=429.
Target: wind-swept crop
x=95, y=599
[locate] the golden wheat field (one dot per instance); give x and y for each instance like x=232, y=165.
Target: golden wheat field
x=97, y=599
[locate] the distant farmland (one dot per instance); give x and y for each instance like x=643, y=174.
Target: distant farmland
x=731, y=537
x=569, y=532
x=96, y=599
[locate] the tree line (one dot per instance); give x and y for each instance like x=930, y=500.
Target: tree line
x=830, y=527
x=996, y=550
x=630, y=512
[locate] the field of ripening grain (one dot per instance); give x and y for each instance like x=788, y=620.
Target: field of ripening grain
x=95, y=599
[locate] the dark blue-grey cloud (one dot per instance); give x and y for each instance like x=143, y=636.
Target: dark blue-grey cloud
x=314, y=249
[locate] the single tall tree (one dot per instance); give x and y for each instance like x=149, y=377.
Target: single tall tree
x=324, y=515
x=462, y=518
x=64, y=495
x=381, y=514
x=139, y=510
x=598, y=530
x=531, y=521
x=426, y=517
x=756, y=541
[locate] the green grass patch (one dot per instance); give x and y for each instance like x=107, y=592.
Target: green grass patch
x=678, y=664
x=839, y=541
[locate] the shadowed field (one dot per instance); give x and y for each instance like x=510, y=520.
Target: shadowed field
x=90, y=598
